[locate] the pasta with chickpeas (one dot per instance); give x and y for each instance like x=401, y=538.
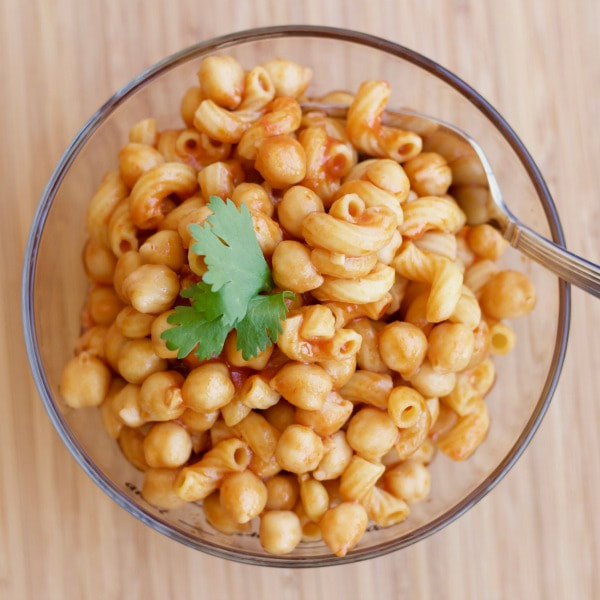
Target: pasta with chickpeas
x=392, y=309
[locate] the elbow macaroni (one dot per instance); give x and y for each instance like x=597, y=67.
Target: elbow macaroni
x=443, y=275
x=366, y=131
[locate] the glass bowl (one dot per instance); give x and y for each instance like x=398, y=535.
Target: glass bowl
x=54, y=283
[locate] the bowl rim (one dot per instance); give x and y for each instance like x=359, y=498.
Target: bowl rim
x=220, y=43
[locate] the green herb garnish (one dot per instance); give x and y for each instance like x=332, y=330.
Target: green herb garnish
x=230, y=295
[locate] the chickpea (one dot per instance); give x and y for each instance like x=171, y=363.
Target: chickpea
x=167, y=445
x=508, y=294
x=281, y=161
x=85, y=381
x=151, y=288
x=282, y=492
x=299, y=449
x=243, y=496
x=280, y=531
x=402, y=347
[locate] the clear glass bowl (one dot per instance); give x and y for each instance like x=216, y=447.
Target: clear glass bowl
x=54, y=282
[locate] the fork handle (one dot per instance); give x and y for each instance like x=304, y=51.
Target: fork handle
x=568, y=266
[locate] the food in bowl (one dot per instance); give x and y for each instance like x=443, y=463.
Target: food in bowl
x=288, y=314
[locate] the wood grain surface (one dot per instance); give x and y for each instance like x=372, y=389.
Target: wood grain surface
x=537, y=535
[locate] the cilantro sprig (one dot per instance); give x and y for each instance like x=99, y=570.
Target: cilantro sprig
x=234, y=292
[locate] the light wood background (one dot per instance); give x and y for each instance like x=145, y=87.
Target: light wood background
x=536, y=536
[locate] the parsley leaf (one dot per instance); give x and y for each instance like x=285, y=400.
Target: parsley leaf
x=229, y=295
x=236, y=265
x=194, y=329
x=204, y=300
x=262, y=324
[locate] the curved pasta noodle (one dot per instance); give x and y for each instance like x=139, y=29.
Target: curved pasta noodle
x=431, y=212
x=368, y=134
x=149, y=202
x=438, y=242
x=341, y=266
x=254, y=196
x=467, y=309
x=167, y=140
x=372, y=195
x=361, y=231
x=368, y=387
x=405, y=405
x=470, y=186
x=397, y=294
x=111, y=191
x=464, y=398
x=387, y=254
x=189, y=103
x=191, y=147
x=344, y=343
x=411, y=438
x=327, y=161
x=376, y=310
x=443, y=275
x=201, y=479
x=363, y=290
x=384, y=173
x=259, y=434
x=197, y=149
x=466, y=435
x=359, y=478
x=383, y=508
x=121, y=230
x=229, y=126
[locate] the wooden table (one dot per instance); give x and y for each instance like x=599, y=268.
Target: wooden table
x=538, y=63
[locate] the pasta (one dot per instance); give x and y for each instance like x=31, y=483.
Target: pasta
x=111, y=192
x=149, y=201
x=280, y=531
x=442, y=274
x=197, y=481
x=391, y=313
x=383, y=508
x=228, y=126
x=368, y=134
x=327, y=161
